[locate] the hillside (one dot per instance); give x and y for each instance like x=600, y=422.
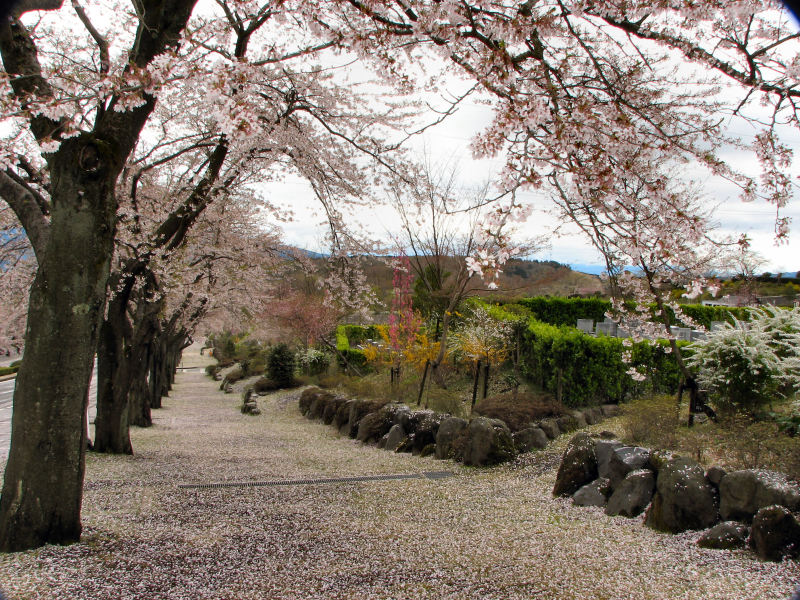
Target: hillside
x=520, y=278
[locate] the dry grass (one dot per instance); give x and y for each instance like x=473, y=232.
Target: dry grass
x=493, y=533
x=519, y=410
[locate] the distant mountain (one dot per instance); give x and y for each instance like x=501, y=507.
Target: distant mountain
x=520, y=278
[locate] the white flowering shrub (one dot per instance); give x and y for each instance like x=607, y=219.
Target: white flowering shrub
x=750, y=364
x=313, y=361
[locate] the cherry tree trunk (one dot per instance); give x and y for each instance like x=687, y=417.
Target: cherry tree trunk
x=41, y=496
x=145, y=328
x=138, y=396
x=113, y=382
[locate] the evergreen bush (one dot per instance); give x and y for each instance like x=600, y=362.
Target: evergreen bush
x=281, y=365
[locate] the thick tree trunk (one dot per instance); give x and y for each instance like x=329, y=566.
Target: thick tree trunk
x=41, y=497
x=139, y=397
x=43, y=483
x=113, y=382
x=145, y=329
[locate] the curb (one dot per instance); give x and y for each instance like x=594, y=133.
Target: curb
x=7, y=377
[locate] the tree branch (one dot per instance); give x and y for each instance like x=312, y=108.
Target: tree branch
x=25, y=206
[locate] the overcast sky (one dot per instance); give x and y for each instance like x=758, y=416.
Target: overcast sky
x=449, y=141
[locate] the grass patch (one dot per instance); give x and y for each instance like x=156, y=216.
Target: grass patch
x=521, y=409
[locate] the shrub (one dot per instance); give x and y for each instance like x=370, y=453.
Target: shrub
x=745, y=367
x=590, y=370
x=8, y=370
x=313, y=361
x=354, y=358
x=519, y=410
x=355, y=334
x=333, y=381
x=213, y=370
x=280, y=365
x=736, y=442
x=567, y=311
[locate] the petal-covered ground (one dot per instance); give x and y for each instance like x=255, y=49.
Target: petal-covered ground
x=483, y=533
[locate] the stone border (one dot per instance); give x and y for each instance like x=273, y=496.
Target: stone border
x=479, y=442
x=676, y=494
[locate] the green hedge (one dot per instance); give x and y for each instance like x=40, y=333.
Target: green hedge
x=567, y=311
x=352, y=335
x=590, y=370
x=356, y=334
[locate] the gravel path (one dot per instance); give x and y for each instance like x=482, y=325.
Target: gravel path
x=493, y=533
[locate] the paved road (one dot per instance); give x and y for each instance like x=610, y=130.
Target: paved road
x=6, y=397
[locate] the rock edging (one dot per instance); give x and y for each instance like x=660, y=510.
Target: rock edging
x=746, y=507
x=478, y=442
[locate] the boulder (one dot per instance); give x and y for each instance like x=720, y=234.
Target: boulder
x=624, y=460
x=593, y=494
x=603, y=449
x=342, y=418
x=715, y=475
x=743, y=493
x=423, y=427
x=550, y=428
x=578, y=465
x=659, y=458
x=394, y=438
x=610, y=410
x=684, y=499
x=358, y=409
x=727, y=535
x=318, y=404
x=451, y=430
x=401, y=415
x=373, y=426
x=250, y=407
x=633, y=494
x=306, y=398
x=580, y=418
x=530, y=438
x=567, y=423
x=330, y=409
x=427, y=450
x=775, y=533
x=488, y=442
x=593, y=415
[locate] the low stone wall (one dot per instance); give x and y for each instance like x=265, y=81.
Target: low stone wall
x=480, y=441
x=676, y=494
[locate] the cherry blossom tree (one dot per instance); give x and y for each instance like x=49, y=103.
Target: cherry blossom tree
x=87, y=111
x=577, y=88
x=225, y=259
x=580, y=87
x=68, y=208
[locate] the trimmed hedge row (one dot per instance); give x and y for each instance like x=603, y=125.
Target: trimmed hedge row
x=567, y=311
x=355, y=334
x=350, y=335
x=587, y=371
